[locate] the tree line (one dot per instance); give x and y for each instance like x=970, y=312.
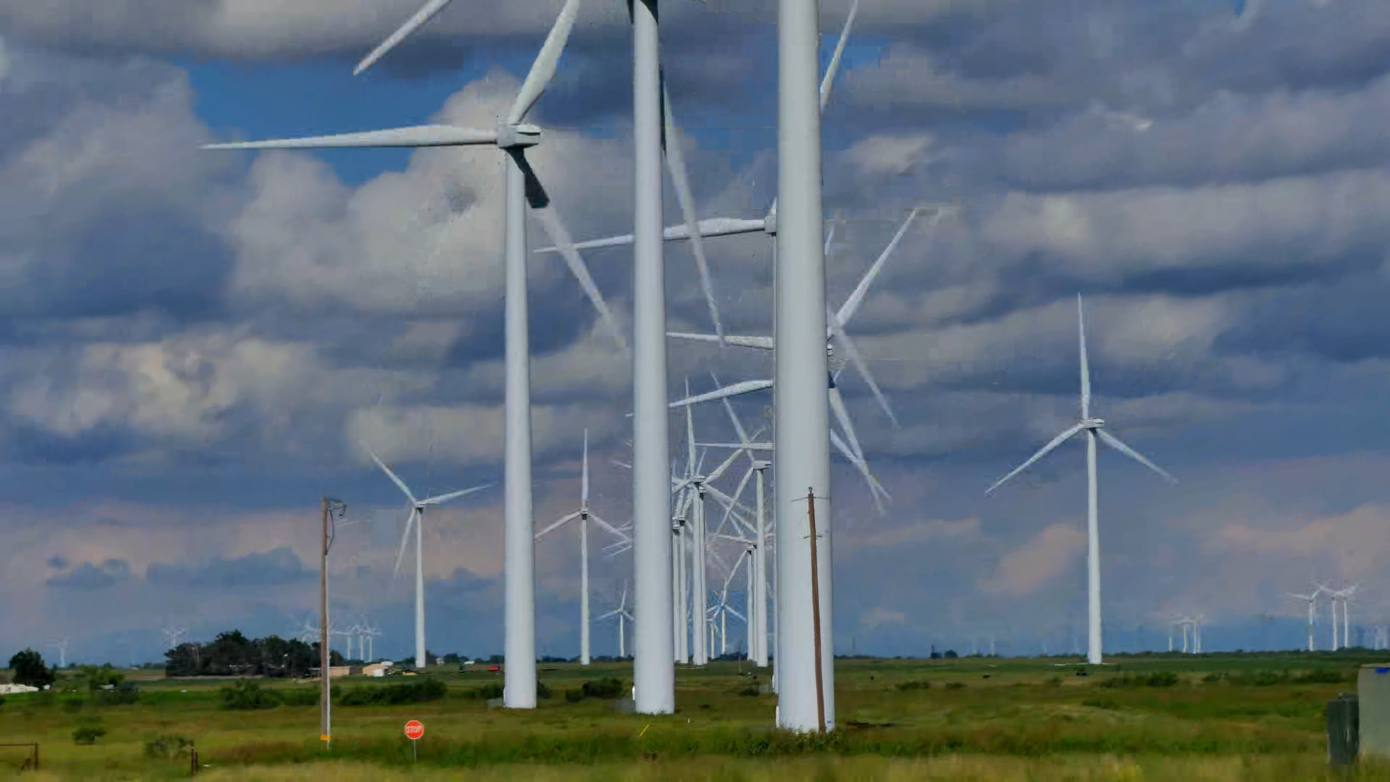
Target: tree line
x=233, y=654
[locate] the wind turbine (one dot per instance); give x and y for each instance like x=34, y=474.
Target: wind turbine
x=835, y=333
x=1343, y=595
x=62, y=646
x=1312, y=598
x=1092, y=427
x=513, y=135
x=583, y=515
x=416, y=518
x=623, y=616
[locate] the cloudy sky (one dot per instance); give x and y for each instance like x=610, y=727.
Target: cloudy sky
x=196, y=346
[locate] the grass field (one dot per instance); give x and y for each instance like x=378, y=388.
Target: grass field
x=1158, y=717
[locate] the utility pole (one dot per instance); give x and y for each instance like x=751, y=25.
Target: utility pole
x=330, y=506
x=815, y=610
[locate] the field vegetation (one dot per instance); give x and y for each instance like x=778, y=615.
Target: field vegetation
x=1143, y=717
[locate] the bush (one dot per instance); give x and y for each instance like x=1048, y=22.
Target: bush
x=542, y=691
x=1323, y=676
x=165, y=747
x=955, y=685
x=607, y=689
x=422, y=690
x=246, y=695
x=88, y=731
x=1157, y=679
x=489, y=691
x=123, y=694
x=920, y=684
x=574, y=696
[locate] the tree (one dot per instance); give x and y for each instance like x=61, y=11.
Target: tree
x=29, y=668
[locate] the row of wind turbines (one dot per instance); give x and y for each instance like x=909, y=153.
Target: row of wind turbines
x=664, y=541
x=803, y=459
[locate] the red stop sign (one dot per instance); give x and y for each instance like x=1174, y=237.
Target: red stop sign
x=414, y=730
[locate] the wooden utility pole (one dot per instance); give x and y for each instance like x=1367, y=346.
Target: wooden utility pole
x=323, y=629
x=815, y=611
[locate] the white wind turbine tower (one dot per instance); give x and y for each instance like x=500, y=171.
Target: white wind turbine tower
x=584, y=514
x=513, y=135
x=1092, y=427
x=804, y=459
x=62, y=646
x=173, y=636
x=848, y=446
x=416, y=518
x=623, y=616
x=696, y=486
x=1343, y=595
x=1312, y=599
x=654, y=677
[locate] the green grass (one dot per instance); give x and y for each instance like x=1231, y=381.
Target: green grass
x=1149, y=717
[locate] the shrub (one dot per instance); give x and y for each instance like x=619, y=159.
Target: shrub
x=751, y=691
x=955, y=685
x=542, y=691
x=422, y=690
x=603, y=688
x=489, y=691
x=88, y=731
x=1156, y=679
x=1323, y=676
x=919, y=684
x=122, y=694
x=246, y=695
x=165, y=747
x=574, y=696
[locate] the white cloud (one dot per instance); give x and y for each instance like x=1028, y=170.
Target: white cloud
x=1046, y=556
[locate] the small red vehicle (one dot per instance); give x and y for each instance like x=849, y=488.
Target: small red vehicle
x=494, y=669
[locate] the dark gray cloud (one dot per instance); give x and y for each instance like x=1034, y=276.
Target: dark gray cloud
x=89, y=576
x=277, y=567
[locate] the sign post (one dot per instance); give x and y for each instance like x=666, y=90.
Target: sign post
x=413, y=731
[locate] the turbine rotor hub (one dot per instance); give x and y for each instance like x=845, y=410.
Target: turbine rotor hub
x=518, y=136
x=1093, y=423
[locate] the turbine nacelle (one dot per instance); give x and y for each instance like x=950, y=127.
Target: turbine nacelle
x=1092, y=423
x=518, y=136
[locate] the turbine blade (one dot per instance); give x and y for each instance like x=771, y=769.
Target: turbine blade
x=423, y=15
x=728, y=408
x=717, y=226
x=584, y=485
x=543, y=69
x=550, y=221
x=405, y=538
x=417, y=136
x=680, y=180
x=453, y=495
x=1056, y=441
x=719, y=471
x=557, y=524
x=762, y=343
x=1114, y=442
x=1085, y=369
x=738, y=493
x=689, y=432
x=395, y=478
x=857, y=359
x=856, y=299
x=837, y=404
x=610, y=528
x=744, y=387
x=863, y=467
x=834, y=66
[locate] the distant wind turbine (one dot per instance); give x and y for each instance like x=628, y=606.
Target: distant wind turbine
x=1312, y=598
x=416, y=518
x=583, y=515
x=1092, y=427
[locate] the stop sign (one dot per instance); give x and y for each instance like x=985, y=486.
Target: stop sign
x=414, y=730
